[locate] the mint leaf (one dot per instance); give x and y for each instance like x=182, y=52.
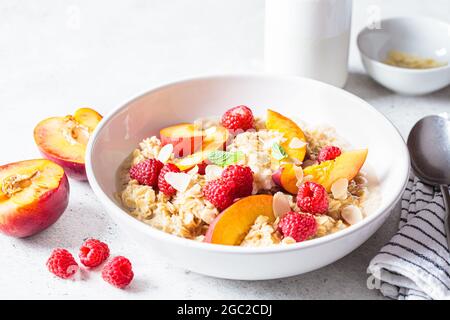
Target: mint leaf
x=278, y=152
x=225, y=158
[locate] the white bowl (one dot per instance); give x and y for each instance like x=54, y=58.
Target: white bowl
x=314, y=102
x=424, y=37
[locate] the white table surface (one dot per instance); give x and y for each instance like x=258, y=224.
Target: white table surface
x=56, y=56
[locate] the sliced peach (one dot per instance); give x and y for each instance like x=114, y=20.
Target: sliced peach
x=231, y=226
x=64, y=139
x=214, y=140
x=185, y=138
x=33, y=196
x=285, y=177
x=88, y=118
x=346, y=166
x=290, y=130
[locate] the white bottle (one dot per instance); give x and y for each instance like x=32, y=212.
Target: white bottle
x=308, y=38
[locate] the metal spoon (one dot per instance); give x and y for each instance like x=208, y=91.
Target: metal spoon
x=429, y=147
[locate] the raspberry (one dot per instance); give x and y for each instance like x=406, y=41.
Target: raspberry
x=62, y=264
x=147, y=172
x=328, y=153
x=118, y=272
x=238, y=118
x=93, y=253
x=312, y=198
x=163, y=185
x=242, y=176
x=220, y=193
x=299, y=226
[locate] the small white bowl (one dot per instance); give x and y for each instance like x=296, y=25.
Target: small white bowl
x=425, y=37
x=312, y=101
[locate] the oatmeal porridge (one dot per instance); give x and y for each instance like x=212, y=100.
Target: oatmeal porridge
x=245, y=181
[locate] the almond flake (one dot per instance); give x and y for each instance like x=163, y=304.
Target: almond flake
x=193, y=171
x=351, y=214
x=210, y=131
x=296, y=143
x=178, y=180
x=280, y=204
x=298, y=174
x=165, y=153
x=213, y=172
x=339, y=189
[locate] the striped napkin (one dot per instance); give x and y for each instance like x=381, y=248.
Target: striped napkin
x=415, y=264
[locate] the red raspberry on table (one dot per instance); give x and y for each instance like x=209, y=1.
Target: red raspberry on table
x=118, y=272
x=220, y=193
x=299, y=226
x=328, y=153
x=62, y=264
x=93, y=253
x=242, y=177
x=163, y=185
x=238, y=118
x=312, y=198
x=147, y=172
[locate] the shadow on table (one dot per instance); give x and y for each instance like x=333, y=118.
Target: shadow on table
x=81, y=220
x=366, y=88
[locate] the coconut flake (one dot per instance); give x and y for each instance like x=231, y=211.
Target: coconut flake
x=296, y=143
x=339, y=189
x=165, y=153
x=351, y=214
x=193, y=171
x=299, y=175
x=178, y=180
x=280, y=204
x=213, y=172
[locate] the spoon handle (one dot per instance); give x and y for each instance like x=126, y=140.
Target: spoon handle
x=446, y=196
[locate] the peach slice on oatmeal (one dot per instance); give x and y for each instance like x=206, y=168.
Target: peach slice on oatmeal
x=295, y=144
x=346, y=166
x=231, y=226
x=214, y=140
x=33, y=195
x=64, y=139
x=185, y=138
x=286, y=177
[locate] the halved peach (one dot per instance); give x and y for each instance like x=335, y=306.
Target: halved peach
x=185, y=138
x=285, y=177
x=64, y=139
x=346, y=166
x=214, y=140
x=291, y=131
x=231, y=226
x=33, y=195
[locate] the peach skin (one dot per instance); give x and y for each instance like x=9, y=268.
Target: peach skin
x=285, y=177
x=33, y=195
x=213, y=141
x=64, y=139
x=185, y=138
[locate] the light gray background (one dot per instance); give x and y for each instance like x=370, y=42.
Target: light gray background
x=56, y=56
